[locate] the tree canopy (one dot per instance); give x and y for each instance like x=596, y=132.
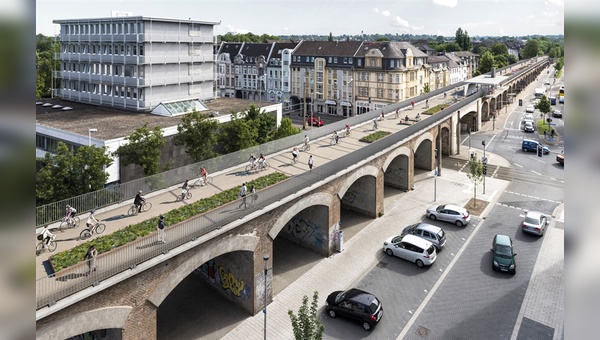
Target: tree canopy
x=143, y=149
x=531, y=49
x=463, y=40
x=198, y=134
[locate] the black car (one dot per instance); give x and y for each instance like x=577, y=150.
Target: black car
x=355, y=304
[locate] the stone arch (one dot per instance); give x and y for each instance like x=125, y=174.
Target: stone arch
x=96, y=319
x=319, y=198
x=403, y=150
x=424, y=136
x=367, y=170
x=223, y=246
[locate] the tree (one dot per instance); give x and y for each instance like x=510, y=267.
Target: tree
x=499, y=49
x=143, y=149
x=199, y=135
x=330, y=37
x=531, y=49
x=426, y=88
x=500, y=60
x=512, y=59
x=68, y=173
x=544, y=105
x=559, y=64
x=440, y=39
x=238, y=134
x=463, y=40
x=486, y=63
x=475, y=174
x=265, y=124
x=285, y=129
x=306, y=325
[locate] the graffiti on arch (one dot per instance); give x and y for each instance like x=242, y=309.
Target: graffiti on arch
x=355, y=198
x=218, y=275
x=305, y=231
x=228, y=281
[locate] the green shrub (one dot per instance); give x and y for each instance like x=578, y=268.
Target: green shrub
x=130, y=233
x=435, y=109
x=374, y=136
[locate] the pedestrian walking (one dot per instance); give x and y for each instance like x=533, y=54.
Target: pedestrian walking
x=382, y=115
x=397, y=113
x=253, y=194
x=243, y=191
x=310, y=162
x=427, y=103
x=162, y=237
x=544, y=134
x=412, y=102
x=90, y=256
x=374, y=123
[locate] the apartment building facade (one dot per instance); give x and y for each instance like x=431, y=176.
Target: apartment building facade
x=135, y=62
x=278, y=73
x=225, y=69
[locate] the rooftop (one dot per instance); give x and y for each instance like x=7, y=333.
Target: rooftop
x=115, y=123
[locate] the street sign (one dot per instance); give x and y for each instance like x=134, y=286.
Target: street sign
x=484, y=160
x=435, y=172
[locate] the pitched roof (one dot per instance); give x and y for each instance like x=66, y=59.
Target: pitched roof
x=328, y=48
x=232, y=48
x=256, y=49
x=403, y=45
x=463, y=54
x=280, y=46
x=436, y=59
x=388, y=49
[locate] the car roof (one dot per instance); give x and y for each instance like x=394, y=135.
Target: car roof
x=534, y=214
x=531, y=141
x=428, y=227
x=503, y=240
x=417, y=241
x=360, y=296
x=454, y=207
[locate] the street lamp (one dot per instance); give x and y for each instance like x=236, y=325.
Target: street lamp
x=266, y=258
x=90, y=136
x=348, y=96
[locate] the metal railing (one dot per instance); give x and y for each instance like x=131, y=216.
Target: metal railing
x=74, y=279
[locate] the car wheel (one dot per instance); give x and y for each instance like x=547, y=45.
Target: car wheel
x=332, y=313
x=389, y=252
x=459, y=223
x=437, y=249
x=513, y=272
x=432, y=217
x=524, y=150
x=493, y=268
x=419, y=263
x=366, y=326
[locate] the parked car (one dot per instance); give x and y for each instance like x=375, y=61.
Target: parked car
x=547, y=82
x=530, y=108
x=535, y=223
x=503, y=257
x=561, y=99
x=552, y=100
x=561, y=158
x=449, y=213
x=355, y=304
x=532, y=145
x=428, y=232
x=557, y=113
x=528, y=127
x=315, y=121
x=411, y=248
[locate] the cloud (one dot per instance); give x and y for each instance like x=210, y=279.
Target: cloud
x=286, y=29
x=399, y=22
x=385, y=13
x=381, y=12
x=376, y=10
x=453, y=3
x=231, y=29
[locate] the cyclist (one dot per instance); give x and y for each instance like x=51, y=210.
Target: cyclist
x=47, y=236
x=70, y=214
x=91, y=221
x=138, y=201
x=294, y=154
x=418, y=117
x=347, y=129
x=184, y=189
x=382, y=115
x=261, y=160
x=203, y=174
x=412, y=102
x=251, y=160
x=306, y=140
x=335, y=137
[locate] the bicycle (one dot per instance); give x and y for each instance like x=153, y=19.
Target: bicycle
x=72, y=222
x=250, y=168
x=52, y=245
x=188, y=195
x=346, y=132
x=294, y=160
x=86, y=233
x=200, y=182
x=134, y=209
x=263, y=166
x=305, y=147
x=333, y=142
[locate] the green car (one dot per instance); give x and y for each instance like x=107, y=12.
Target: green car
x=503, y=258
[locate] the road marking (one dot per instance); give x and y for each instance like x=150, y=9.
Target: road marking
x=437, y=284
x=535, y=172
x=519, y=165
x=538, y=198
x=535, y=159
x=554, y=179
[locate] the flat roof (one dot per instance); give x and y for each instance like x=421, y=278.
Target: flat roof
x=134, y=17
x=486, y=79
x=115, y=123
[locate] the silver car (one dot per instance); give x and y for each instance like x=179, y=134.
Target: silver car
x=535, y=223
x=449, y=213
x=411, y=248
x=428, y=232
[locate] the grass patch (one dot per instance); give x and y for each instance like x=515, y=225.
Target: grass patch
x=121, y=237
x=435, y=109
x=559, y=73
x=374, y=136
x=542, y=126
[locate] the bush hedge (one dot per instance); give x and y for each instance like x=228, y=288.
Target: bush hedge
x=374, y=136
x=435, y=109
x=130, y=233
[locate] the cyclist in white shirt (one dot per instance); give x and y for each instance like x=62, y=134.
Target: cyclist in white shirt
x=91, y=221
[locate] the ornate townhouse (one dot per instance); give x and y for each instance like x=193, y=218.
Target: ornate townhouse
x=471, y=61
x=440, y=71
x=458, y=68
x=137, y=63
x=279, y=72
x=225, y=70
x=250, y=71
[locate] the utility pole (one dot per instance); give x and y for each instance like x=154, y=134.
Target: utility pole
x=484, y=161
x=439, y=151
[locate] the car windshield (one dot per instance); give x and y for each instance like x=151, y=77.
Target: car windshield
x=374, y=305
x=430, y=250
x=503, y=251
x=440, y=207
x=340, y=297
x=396, y=239
x=531, y=220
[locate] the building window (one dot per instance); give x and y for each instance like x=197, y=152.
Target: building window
x=335, y=60
x=372, y=62
x=379, y=93
x=359, y=62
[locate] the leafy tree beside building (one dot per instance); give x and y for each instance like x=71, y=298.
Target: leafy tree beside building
x=143, y=149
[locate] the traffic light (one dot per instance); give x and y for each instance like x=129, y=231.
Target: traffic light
x=540, y=151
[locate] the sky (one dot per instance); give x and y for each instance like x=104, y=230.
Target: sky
x=320, y=17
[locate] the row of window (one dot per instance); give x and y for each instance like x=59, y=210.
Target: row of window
x=106, y=49
x=104, y=28
x=104, y=89
x=391, y=93
x=130, y=71
x=51, y=144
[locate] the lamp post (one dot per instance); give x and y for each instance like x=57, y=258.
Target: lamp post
x=348, y=97
x=90, y=136
x=485, y=162
x=266, y=258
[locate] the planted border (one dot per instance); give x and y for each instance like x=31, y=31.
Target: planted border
x=130, y=233
x=435, y=109
x=374, y=136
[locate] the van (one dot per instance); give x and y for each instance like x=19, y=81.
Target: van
x=531, y=145
x=552, y=100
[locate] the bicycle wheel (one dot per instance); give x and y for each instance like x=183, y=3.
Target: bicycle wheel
x=208, y=180
x=332, y=141
x=307, y=148
x=147, y=206
x=85, y=234
x=188, y=195
x=266, y=166
x=63, y=226
x=197, y=183
x=248, y=168
x=39, y=249
x=100, y=227
x=52, y=246
x=75, y=223
x=132, y=211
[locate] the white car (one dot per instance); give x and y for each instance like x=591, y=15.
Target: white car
x=449, y=213
x=528, y=127
x=530, y=109
x=535, y=223
x=411, y=248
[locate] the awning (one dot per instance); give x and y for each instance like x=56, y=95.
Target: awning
x=345, y=104
x=330, y=102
